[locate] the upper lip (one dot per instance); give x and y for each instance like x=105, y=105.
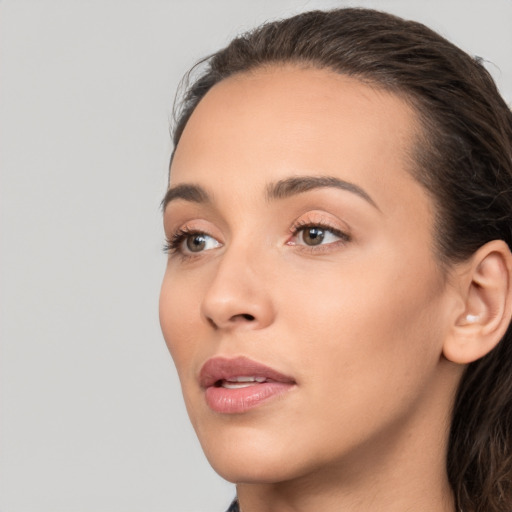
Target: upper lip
x=222, y=368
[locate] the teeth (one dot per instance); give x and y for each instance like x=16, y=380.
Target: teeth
x=236, y=385
x=247, y=379
x=241, y=382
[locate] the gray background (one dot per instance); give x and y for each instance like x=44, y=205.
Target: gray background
x=91, y=412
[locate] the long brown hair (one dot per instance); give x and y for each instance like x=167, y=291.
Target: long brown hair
x=464, y=160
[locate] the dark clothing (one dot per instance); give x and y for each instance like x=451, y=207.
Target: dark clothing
x=234, y=506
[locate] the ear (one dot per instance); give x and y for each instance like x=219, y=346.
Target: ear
x=486, y=293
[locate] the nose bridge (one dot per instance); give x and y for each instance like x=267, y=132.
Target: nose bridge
x=238, y=293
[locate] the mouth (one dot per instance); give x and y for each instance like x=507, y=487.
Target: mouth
x=240, y=382
x=234, y=386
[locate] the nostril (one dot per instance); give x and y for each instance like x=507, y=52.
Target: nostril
x=235, y=318
x=212, y=323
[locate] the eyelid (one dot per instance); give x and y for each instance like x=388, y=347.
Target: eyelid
x=177, y=237
x=342, y=236
x=323, y=221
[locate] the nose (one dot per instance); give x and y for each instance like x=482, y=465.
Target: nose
x=239, y=295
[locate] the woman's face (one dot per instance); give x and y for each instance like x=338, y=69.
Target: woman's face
x=302, y=302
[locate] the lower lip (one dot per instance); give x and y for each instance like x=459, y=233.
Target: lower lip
x=236, y=401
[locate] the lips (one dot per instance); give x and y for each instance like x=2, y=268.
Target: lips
x=236, y=385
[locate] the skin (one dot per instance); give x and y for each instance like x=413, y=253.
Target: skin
x=360, y=321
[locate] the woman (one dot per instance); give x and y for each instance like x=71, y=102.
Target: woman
x=337, y=297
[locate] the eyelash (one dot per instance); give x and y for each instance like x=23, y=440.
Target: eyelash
x=303, y=225
x=173, y=244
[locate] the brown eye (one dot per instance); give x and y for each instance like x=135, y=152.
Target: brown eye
x=196, y=243
x=317, y=235
x=313, y=236
x=187, y=243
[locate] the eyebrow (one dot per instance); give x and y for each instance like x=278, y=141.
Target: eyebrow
x=280, y=190
x=187, y=192
x=299, y=184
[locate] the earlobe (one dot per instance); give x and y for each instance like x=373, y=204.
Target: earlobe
x=486, y=290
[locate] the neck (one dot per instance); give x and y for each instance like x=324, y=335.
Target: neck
x=414, y=491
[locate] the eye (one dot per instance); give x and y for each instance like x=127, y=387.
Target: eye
x=189, y=242
x=198, y=242
x=316, y=234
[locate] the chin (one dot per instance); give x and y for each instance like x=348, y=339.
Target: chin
x=251, y=455
x=253, y=469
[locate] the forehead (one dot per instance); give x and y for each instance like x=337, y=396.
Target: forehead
x=263, y=126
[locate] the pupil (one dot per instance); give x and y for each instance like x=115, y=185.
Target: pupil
x=196, y=243
x=314, y=236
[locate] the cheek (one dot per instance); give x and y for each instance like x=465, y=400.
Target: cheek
x=367, y=337
x=178, y=310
